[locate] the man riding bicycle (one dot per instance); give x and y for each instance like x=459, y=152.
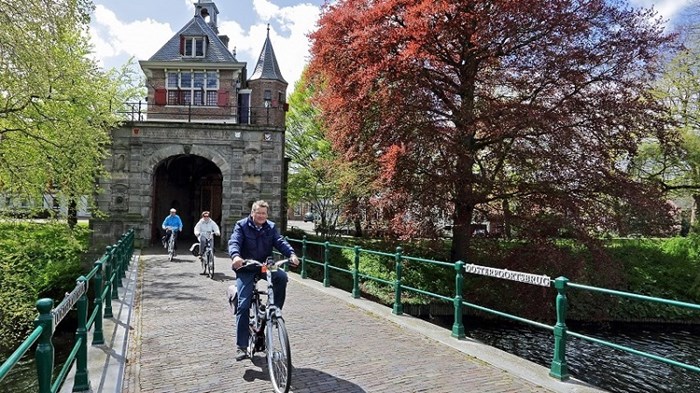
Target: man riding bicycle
x=204, y=226
x=254, y=238
x=171, y=221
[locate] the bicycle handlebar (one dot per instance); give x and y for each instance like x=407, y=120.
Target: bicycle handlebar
x=253, y=262
x=208, y=234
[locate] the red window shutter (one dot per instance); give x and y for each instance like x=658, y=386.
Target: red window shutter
x=222, y=100
x=160, y=96
x=182, y=45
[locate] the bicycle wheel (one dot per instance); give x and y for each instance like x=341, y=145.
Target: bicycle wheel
x=210, y=264
x=279, y=357
x=171, y=247
x=253, y=325
x=203, y=261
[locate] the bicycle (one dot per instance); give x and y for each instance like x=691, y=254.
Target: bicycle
x=208, y=254
x=171, y=242
x=268, y=332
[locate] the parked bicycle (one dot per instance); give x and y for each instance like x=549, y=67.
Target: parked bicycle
x=171, y=242
x=208, y=254
x=268, y=332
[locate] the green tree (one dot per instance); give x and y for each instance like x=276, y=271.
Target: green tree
x=336, y=189
x=56, y=106
x=678, y=169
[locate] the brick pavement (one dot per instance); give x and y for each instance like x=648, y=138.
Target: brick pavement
x=182, y=340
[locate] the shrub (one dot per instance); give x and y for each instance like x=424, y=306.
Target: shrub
x=36, y=260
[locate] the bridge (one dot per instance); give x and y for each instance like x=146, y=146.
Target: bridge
x=172, y=331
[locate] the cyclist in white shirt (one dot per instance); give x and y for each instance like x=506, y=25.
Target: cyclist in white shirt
x=205, y=224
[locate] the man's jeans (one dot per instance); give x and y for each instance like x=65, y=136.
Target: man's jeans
x=245, y=285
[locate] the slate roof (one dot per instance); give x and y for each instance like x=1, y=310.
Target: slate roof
x=267, y=67
x=217, y=52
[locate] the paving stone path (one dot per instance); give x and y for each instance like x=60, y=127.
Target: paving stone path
x=182, y=340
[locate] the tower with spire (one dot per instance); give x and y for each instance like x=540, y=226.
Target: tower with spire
x=268, y=87
x=211, y=139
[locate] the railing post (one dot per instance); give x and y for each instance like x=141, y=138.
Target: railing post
x=398, y=307
x=81, y=382
x=44, y=349
x=458, y=326
x=97, y=334
x=326, y=270
x=303, y=257
x=118, y=258
x=559, y=369
x=123, y=258
x=128, y=244
x=356, y=274
x=108, y=281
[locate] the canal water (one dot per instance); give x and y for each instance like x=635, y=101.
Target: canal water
x=23, y=377
x=601, y=366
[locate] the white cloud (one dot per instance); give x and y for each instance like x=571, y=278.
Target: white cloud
x=113, y=38
x=666, y=8
x=289, y=27
x=189, y=4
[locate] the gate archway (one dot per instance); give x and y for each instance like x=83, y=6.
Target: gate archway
x=190, y=184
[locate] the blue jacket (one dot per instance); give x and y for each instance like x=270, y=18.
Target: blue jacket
x=250, y=242
x=172, y=221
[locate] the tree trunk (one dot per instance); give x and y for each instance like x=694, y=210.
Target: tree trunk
x=72, y=217
x=461, y=236
x=694, y=211
x=506, y=219
x=358, y=226
x=463, y=214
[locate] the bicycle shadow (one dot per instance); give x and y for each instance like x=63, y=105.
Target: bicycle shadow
x=309, y=380
x=305, y=380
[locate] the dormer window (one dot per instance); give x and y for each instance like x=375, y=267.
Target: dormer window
x=193, y=46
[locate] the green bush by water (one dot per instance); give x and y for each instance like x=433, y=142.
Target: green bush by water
x=36, y=260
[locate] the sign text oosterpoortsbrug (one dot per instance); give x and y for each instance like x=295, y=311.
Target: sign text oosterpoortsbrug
x=527, y=278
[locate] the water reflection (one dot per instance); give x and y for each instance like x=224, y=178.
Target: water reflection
x=608, y=368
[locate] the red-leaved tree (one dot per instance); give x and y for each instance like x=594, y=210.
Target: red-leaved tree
x=527, y=110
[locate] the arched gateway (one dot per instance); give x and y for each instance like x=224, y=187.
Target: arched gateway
x=209, y=139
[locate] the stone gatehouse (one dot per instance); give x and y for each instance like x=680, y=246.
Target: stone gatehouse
x=209, y=138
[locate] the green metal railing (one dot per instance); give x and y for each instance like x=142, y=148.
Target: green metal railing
x=559, y=368
x=113, y=264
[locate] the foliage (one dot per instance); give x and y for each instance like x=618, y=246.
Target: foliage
x=517, y=111
x=313, y=173
x=56, y=106
x=319, y=176
x=36, y=260
x=678, y=169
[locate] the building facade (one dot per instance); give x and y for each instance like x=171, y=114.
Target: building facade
x=210, y=138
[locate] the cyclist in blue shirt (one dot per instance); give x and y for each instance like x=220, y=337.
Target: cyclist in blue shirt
x=254, y=238
x=173, y=221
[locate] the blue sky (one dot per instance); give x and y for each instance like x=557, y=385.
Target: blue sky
x=121, y=29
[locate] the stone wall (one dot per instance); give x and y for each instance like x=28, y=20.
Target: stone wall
x=250, y=158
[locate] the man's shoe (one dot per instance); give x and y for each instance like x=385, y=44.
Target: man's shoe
x=241, y=354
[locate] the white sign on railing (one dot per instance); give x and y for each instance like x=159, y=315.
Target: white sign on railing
x=60, y=311
x=506, y=274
